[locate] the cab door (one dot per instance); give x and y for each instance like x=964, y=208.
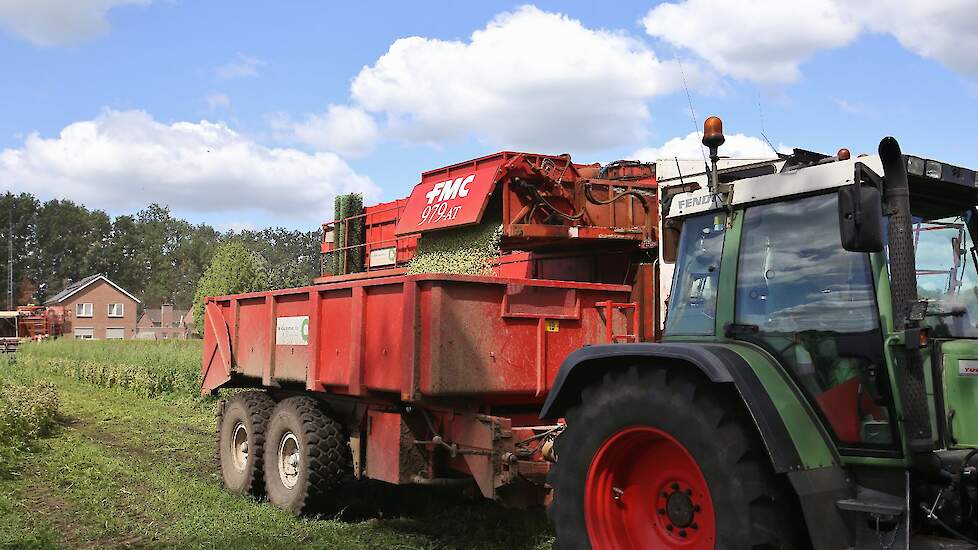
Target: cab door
x=812, y=305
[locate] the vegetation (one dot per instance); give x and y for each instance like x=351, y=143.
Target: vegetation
x=233, y=270
x=27, y=412
x=152, y=254
x=123, y=470
x=465, y=251
x=147, y=368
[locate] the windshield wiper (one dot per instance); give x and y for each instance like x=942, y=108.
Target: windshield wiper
x=957, y=312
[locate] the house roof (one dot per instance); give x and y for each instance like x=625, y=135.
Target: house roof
x=156, y=315
x=80, y=285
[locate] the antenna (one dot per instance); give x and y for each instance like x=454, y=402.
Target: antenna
x=680, y=171
x=692, y=113
x=760, y=114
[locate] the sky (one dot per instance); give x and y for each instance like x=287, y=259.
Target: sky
x=246, y=114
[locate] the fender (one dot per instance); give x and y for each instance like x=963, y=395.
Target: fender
x=719, y=364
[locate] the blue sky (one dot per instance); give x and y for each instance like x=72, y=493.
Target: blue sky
x=244, y=114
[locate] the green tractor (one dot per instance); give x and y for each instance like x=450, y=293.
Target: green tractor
x=817, y=382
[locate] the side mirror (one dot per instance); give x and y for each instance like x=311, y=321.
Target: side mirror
x=861, y=215
x=671, y=230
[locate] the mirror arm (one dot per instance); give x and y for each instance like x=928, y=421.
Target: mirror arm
x=862, y=173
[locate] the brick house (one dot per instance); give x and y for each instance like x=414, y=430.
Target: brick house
x=165, y=323
x=97, y=309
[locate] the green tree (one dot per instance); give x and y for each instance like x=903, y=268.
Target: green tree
x=293, y=256
x=69, y=239
x=18, y=212
x=233, y=270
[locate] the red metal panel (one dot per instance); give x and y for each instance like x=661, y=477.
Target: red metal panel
x=251, y=333
x=383, y=444
x=470, y=345
x=383, y=321
x=334, y=337
x=315, y=319
x=292, y=359
x=451, y=197
x=355, y=381
x=216, y=368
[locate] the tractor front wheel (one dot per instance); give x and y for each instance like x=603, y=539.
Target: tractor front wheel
x=656, y=458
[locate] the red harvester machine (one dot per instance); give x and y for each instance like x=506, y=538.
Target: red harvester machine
x=39, y=322
x=436, y=378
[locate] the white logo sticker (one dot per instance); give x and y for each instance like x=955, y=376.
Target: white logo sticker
x=292, y=331
x=967, y=367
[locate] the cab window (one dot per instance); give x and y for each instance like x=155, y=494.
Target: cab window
x=693, y=300
x=812, y=305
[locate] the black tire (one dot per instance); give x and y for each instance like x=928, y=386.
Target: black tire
x=754, y=509
x=323, y=458
x=245, y=417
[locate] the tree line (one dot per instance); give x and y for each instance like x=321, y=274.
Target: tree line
x=152, y=254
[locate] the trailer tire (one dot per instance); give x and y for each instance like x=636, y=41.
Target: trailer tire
x=240, y=441
x=663, y=458
x=307, y=456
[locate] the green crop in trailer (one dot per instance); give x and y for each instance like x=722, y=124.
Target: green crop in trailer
x=465, y=251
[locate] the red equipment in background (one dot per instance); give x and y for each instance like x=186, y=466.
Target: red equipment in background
x=38, y=322
x=438, y=376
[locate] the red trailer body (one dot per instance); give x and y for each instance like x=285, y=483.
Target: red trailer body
x=459, y=348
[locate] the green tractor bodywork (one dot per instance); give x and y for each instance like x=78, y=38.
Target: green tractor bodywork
x=866, y=399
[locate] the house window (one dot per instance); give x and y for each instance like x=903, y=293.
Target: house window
x=83, y=310
x=116, y=310
x=115, y=333
x=87, y=333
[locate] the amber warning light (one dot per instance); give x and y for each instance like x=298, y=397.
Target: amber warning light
x=713, y=132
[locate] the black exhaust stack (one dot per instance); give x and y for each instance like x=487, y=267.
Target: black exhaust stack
x=903, y=292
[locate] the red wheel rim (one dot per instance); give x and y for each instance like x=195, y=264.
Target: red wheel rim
x=644, y=490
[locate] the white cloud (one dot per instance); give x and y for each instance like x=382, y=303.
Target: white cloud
x=346, y=130
x=689, y=147
x=242, y=66
x=529, y=79
x=58, y=22
x=943, y=30
x=849, y=107
x=121, y=161
x=761, y=40
x=236, y=227
x=767, y=40
x=217, y=100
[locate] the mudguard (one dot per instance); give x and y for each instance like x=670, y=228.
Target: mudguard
x=718, y=363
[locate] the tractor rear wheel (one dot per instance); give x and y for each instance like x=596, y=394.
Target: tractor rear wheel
x=307, y=456
x=241, y=439
x=661, y=458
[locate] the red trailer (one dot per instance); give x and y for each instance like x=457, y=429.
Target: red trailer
x=436, y=378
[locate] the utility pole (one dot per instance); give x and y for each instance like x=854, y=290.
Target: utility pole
x=10, y=260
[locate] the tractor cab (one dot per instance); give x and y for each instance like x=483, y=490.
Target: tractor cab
x=856, y=278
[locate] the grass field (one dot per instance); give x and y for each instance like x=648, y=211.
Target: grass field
x=131, y=464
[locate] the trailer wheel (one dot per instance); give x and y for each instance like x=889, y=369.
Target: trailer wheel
x=660, y=459
x=241, y=439
x=307, y=456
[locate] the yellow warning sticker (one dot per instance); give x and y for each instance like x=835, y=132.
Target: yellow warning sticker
x=553, y=325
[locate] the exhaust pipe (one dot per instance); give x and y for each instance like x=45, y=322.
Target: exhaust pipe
x=903, y=294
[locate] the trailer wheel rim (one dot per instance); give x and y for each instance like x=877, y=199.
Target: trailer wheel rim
x=239, y=446
x=644, y=490
x=288, y=460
